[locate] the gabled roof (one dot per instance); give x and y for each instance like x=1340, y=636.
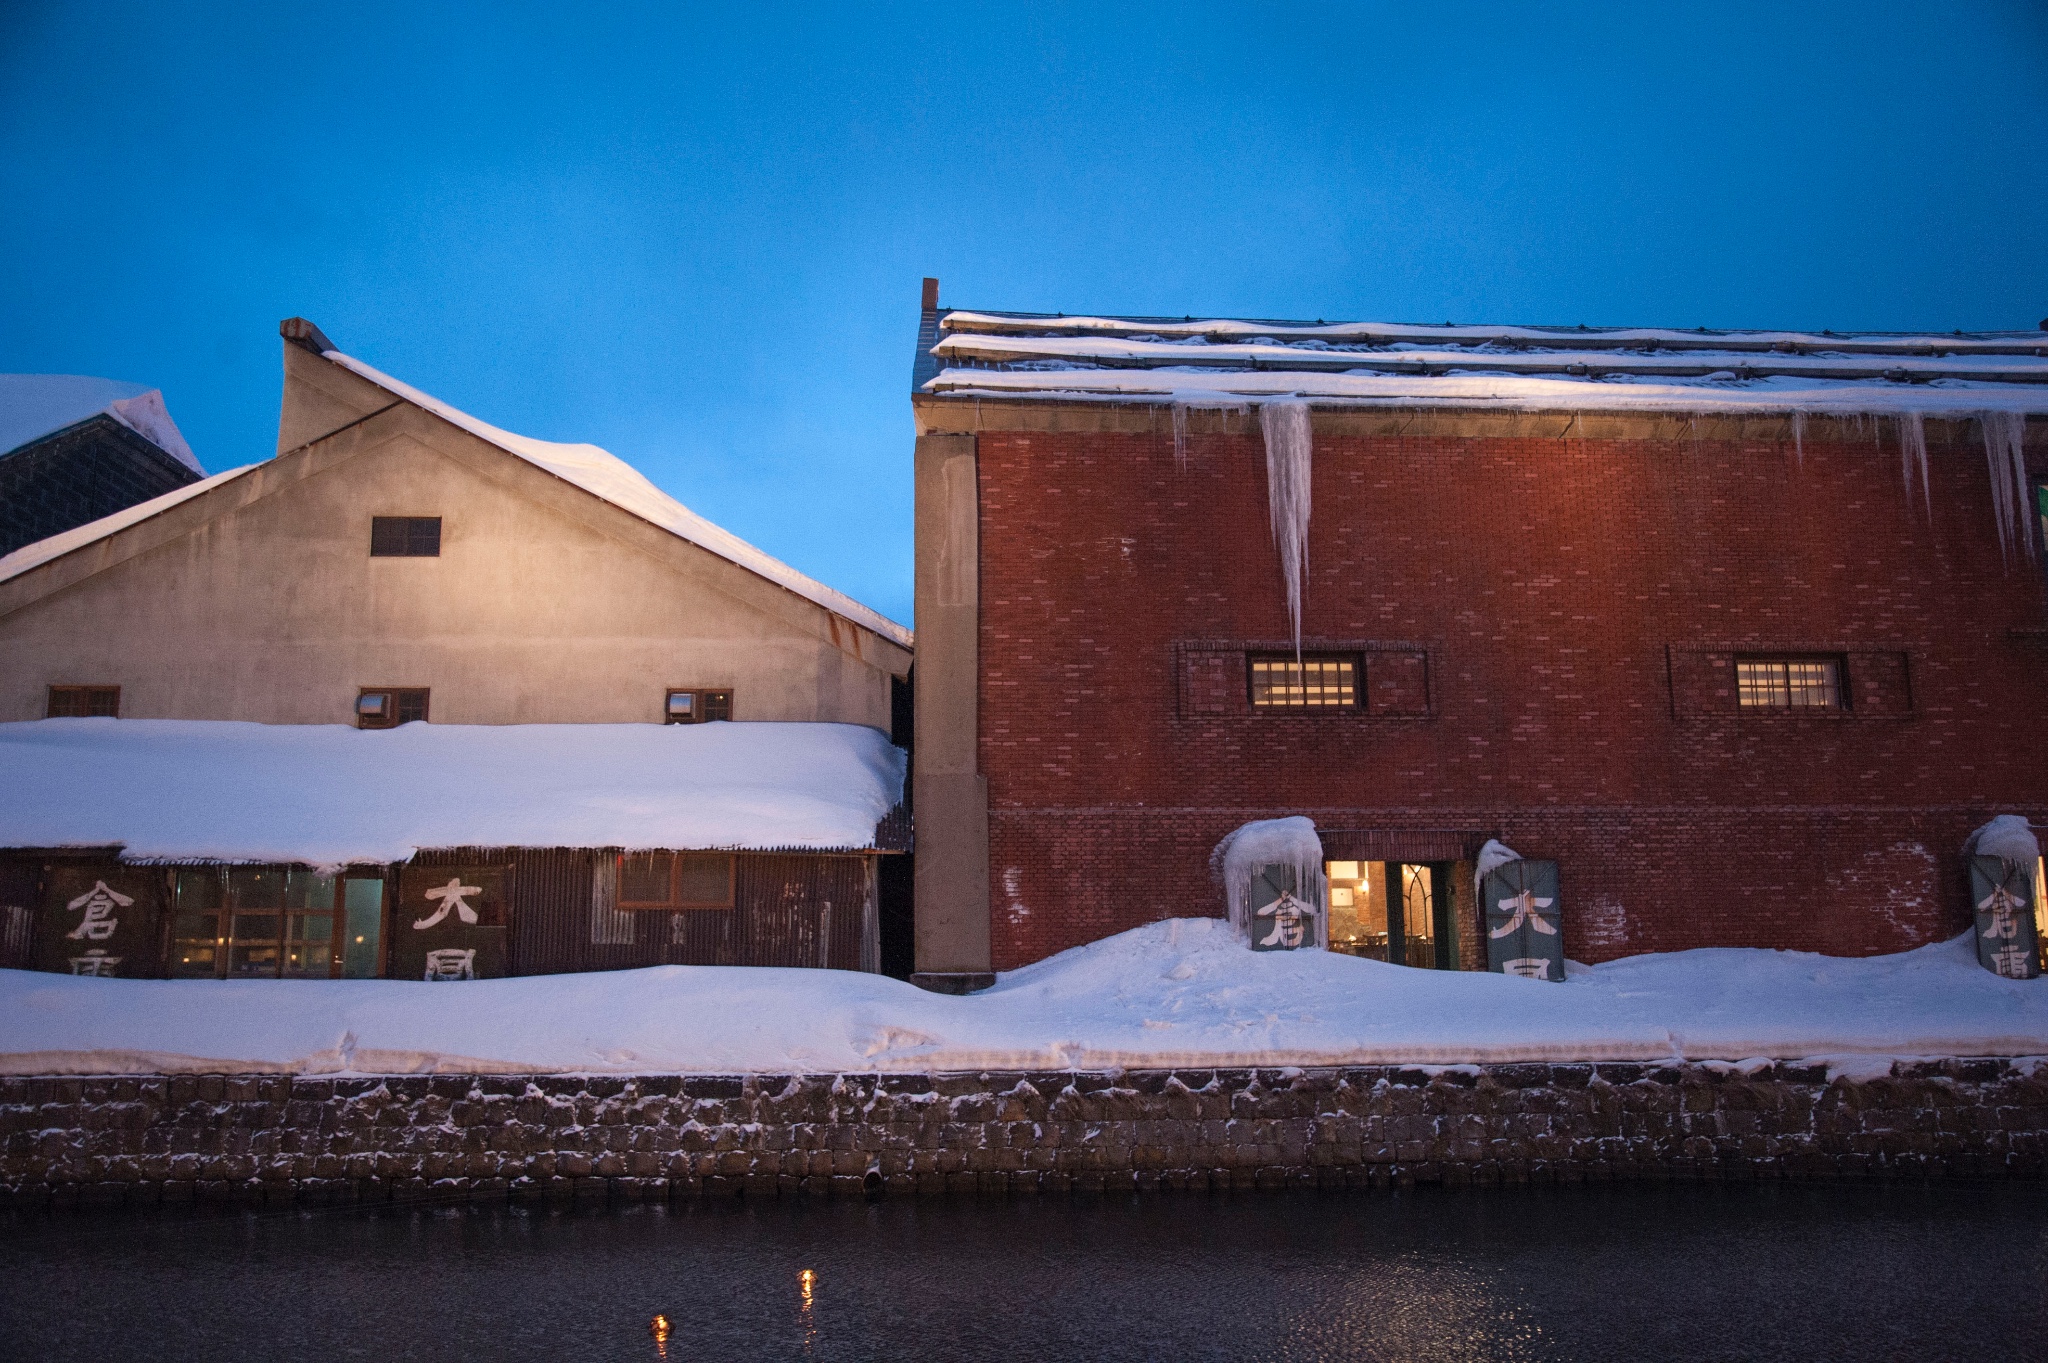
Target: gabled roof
x=77, y=537
x=33, y=406
x=596, y=471
x=605, y=475
x=1229, y=361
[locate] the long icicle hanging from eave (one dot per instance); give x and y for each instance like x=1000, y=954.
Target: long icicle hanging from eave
x=2005, y=435
x=1180, y=437
x=1912, y=430
x=1285, y=424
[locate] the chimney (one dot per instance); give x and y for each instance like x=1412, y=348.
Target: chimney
x=931, y=295
x=301, y=332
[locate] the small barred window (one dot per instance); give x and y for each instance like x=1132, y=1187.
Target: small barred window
x=389, y=707
x=84, y=702
x=696, y=706
x=405, y=537
x=1789, y=683
x=1312, y=682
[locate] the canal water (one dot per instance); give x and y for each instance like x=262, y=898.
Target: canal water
x=1659, y=1272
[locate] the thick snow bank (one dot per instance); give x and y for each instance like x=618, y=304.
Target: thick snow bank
x=168, y=790
x=34, y=405
x=1182, y=993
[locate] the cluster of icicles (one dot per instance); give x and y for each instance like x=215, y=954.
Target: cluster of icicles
x=1285, y=425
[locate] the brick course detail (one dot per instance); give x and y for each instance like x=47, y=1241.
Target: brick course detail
x=280, y=1139
x=1567, y=610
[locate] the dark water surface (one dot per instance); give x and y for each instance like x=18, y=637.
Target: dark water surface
x=1659, y=1272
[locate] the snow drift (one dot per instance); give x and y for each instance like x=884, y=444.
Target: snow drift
x=1184, y=993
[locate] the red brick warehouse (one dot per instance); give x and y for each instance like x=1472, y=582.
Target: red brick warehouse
x=1744, y=630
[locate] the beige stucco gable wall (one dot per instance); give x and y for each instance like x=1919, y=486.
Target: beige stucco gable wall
x=260, y=600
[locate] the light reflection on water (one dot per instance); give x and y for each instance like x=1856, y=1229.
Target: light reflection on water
x=1663, y=1273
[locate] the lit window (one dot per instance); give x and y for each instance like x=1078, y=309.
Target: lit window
x=696, y=706
x=254, y=923
x=84, y=702
x=389, y=707
x=405, y=537
x=676, y=880
x=1789, y=683
x=1313, y=682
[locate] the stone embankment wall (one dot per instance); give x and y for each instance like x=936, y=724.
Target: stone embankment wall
x=279, y=1139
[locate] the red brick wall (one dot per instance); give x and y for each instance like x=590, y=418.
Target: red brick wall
x=1568, y=594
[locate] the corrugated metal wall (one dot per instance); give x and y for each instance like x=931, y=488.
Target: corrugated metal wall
x=18, y=898
x=788, y=910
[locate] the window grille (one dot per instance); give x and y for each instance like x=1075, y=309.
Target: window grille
x=1789, y=683
x=389, y=707
x=692, y=706
x=1325, y=682
x=84, y=702
x=254, y=923
x=405, y=536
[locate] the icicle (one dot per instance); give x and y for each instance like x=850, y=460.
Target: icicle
x=1291, y=842
x=1799, y=438
x=1285, y=425
x=1912, y=456
x=2004, y=451
x=1180, y=437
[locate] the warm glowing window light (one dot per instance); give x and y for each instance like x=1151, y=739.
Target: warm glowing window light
x=1788, y=683
x=1285, y=683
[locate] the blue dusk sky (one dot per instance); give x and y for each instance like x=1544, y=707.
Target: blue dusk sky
x=695, y=236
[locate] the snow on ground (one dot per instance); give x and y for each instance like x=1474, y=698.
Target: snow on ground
x=1183, y=993
x=330, y=795
x=33, y=405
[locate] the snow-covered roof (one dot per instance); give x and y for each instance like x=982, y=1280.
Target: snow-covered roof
x=35, y=405
x=605, y=475
x=1222, y=361
x=328, y=795
x=78, y=536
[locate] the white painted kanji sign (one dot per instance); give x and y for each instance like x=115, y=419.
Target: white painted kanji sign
x=1281, y=918
x=2002, y=892
x=1288, y=915
x=453, y=896
x=451, y=963
x=1527, y=907
x=1524, y=933
x=98, y=918
x=457, y=916
x=99, y=904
